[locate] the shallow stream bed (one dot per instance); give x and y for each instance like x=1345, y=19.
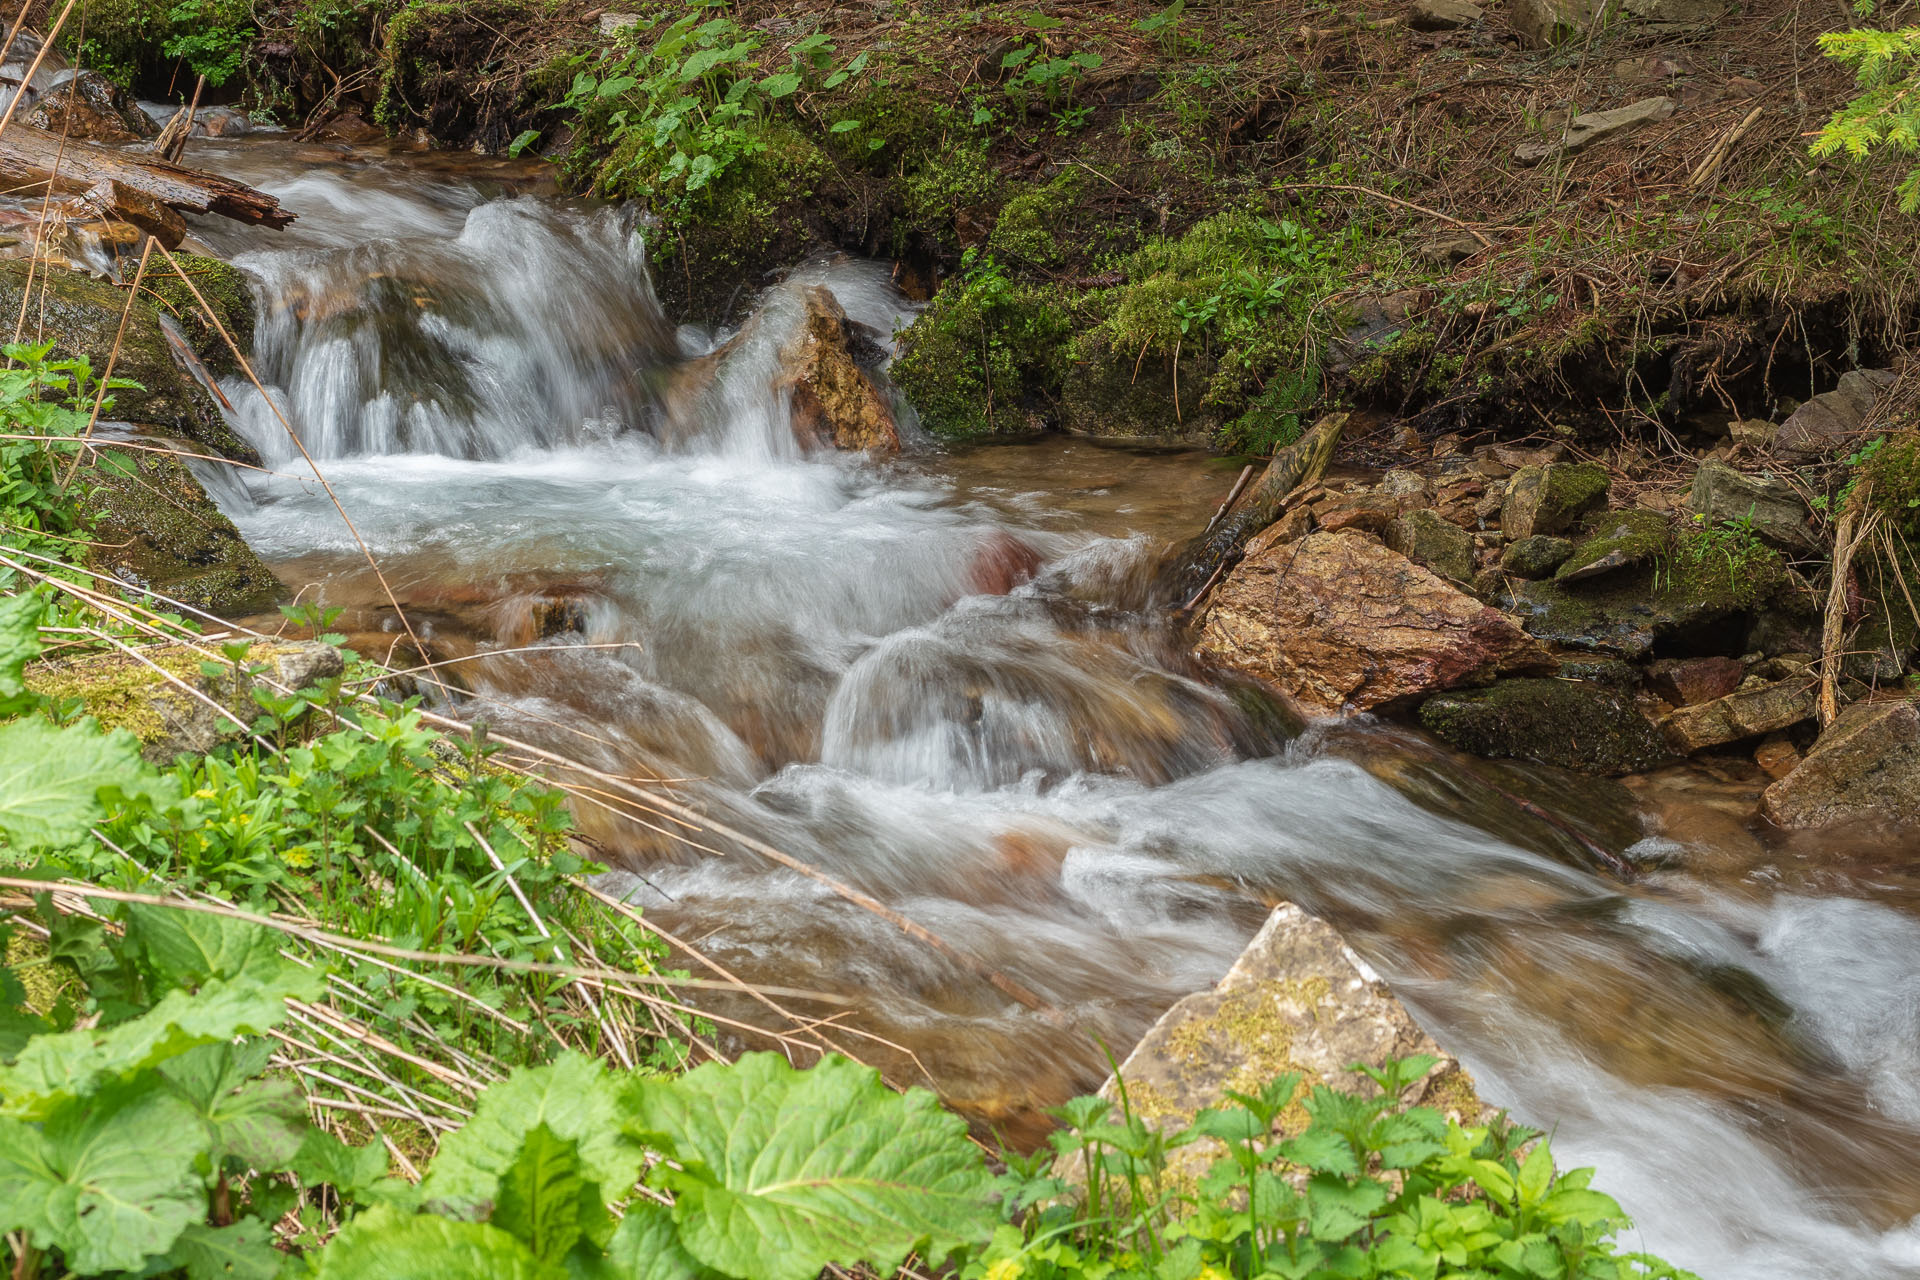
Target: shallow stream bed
x=942, y=680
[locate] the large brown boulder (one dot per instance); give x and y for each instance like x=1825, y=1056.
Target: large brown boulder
x=1341, y=623
x=1865, y=766
x=836, y=403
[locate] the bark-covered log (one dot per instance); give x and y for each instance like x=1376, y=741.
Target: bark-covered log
x=1190, y=569
x=32, y=159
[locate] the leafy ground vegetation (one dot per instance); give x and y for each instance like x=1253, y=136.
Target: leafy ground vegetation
x=1193, y=221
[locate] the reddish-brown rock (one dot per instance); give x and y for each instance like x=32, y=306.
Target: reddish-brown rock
x=1341, y=624
x=1687, y=682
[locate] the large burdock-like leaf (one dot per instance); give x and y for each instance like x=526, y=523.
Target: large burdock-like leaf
x=263, y=1122
x=74, y=1063
x=388, y=1244
x=51, y=779
x=109, y=1181
x=573, y=1097
x=783, y=1171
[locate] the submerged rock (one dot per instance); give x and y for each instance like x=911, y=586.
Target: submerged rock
x=1298, y=999
x=156, y=528
x=1865, y=766
x=1573, y=724
x=835, y=402
x=1341, y=623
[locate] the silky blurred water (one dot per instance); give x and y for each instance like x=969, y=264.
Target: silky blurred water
x=943, y=680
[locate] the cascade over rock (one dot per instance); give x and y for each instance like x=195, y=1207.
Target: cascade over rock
x=835, y=402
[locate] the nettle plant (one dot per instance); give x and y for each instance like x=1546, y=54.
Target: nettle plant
x=45, y=405
x=1885, y=118
x=679, y=112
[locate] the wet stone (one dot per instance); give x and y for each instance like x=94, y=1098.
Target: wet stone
x=1536, y=557
x=1770, y=505
x=1620, y=539
x=1865, y=766
x=1744, y=714
x=1426, y=539
x=1591, y=728
x=1687, y=682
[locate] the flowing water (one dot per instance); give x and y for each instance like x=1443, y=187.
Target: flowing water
x=941, y=680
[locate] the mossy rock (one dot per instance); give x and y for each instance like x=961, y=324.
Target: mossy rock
x=81, y=316
x=1537, y=556
x=165, y=698
x=984, y=359
x=1617, y=540
x=1427, y=538
x=155, y=527
x=1591, y=728
x=1102, y=395
x=1553, y=498
x=228, y=291
x=1627, y=613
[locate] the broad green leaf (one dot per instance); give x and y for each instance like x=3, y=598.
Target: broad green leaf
x=51, y=779
x=323, y=1158
x=573, y=1097
x=19, y=645
x=779, y=86
x=387, y=1244
x=646, y=1247
x=1536, y=1175
x=1321, y=1150
x=74, y=1063
x=188, y=947
x=544, y=1202
x=1337, y=1208
x=785, y=1171
x=260, y=1121
x=243, y=1251
x=109, y=1181
x=1586, y=1207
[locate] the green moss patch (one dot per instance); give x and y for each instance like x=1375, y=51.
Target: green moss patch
x=1588, y=727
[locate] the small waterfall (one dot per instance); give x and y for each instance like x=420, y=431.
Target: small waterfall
x=534, y=326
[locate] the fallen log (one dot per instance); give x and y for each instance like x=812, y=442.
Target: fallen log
x=1187, y=573
x=32, y=161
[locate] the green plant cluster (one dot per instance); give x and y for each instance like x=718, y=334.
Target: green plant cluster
x=986, y=357
x=677, y=113
x=120, y=38
x=46, y=405
x=1366, y=1187
x=1234, y=308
